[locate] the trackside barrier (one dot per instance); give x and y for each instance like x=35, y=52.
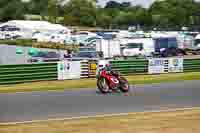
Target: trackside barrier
x=141, y=66
x=12, y=74
x=92, y=68
x=88, y=68
x=84, y=69
x=130, y=66
x=191, y=65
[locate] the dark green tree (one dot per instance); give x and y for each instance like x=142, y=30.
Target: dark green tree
x=11, y=9
x=53, y=10
x=37, y=7
x=172, y=12
x=82, y=12
x=113, y=4
x=103, y=19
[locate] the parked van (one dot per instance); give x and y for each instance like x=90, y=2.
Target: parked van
x=149, y=46
x=141, y=46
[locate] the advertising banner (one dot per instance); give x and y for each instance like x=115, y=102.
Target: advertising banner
x=69, y=70
x=157, y=66
x=175, y=65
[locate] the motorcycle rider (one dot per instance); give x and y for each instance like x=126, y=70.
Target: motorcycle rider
x=109, y=70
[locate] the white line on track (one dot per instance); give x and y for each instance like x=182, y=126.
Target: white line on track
x=98, y=116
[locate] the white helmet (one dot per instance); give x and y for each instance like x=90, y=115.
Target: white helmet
x=102, y=64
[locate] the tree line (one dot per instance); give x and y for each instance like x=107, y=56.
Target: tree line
x=87, y=13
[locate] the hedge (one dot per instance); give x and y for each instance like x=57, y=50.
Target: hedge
x=31, y=43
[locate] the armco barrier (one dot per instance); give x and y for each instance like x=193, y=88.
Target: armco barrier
x=84, y=69
x=130, y=66
x=191, y=65
x=88, y=68
x=11, y=74
x=141, y=66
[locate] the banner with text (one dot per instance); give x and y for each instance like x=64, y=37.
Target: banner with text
x=69, y=70
x=175, y=65
x=165, y=65
x=157, y=65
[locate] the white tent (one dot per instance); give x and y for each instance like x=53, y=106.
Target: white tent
x=29, y=27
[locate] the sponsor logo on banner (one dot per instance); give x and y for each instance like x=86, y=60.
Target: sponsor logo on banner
x=175, y=65
x=162, y=65
x=156, y=66
x=69, y=70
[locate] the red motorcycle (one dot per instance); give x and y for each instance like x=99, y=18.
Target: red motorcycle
x=109, y=81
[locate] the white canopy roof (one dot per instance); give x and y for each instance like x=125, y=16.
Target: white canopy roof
x=35, y=25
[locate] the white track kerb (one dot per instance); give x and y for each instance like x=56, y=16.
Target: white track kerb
x=98, y=116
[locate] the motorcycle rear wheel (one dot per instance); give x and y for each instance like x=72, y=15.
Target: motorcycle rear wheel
x=102, y=85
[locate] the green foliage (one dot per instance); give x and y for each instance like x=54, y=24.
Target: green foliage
x=103, y=19
x=87, y=13
x=52, y=10
x=173, y=12
x=30, y=43
x=38, y=7
x=14, y=9
x=81, y=12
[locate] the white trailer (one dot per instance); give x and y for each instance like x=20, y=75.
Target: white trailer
x=141, y=46
x=109, y=47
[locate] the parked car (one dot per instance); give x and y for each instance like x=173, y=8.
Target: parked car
x=87, y=54
x=45, y=57
x=87, y=49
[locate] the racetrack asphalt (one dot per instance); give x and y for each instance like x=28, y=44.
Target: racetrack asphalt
x=19, y=107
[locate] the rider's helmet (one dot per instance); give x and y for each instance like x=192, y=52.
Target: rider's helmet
x=102, y=64
x=108, y=67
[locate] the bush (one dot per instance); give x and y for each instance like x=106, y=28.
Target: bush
x=31, y=43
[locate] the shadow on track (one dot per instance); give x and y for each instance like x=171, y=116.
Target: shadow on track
x=132, y=92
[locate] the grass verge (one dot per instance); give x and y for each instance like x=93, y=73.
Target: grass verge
x=185, y=121
x=91, y=83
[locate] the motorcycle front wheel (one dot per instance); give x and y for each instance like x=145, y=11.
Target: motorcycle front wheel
x=102, y=85
x=124, y=85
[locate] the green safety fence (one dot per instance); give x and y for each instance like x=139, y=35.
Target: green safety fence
x=191, y=65
x=141, y=66
x=130, y=66
x=12, y=74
